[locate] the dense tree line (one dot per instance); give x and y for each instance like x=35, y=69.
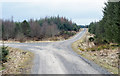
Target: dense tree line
x=83, y=26
x=40, y=29
x=107, y=30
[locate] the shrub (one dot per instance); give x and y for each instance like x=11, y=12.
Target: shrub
x=4, y=52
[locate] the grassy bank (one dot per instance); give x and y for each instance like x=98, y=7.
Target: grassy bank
x=103, y=55
x=18, y=62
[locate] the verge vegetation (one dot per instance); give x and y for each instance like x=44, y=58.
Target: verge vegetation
x=104, y=55
x=16, y=61
x=101, y=43
x=3, y=56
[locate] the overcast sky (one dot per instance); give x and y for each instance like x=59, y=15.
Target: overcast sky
x=79, y=11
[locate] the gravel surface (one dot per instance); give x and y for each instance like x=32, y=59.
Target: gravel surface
x=59, y=58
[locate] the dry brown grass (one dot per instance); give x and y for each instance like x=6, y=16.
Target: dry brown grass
x=106, y=58
x=19, y=62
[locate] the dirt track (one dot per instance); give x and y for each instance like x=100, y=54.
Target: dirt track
x=59, y=58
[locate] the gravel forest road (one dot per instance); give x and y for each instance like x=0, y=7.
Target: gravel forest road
x=59, y=58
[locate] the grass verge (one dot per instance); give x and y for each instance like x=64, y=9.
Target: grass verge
x=103, y=56
x=18, y=62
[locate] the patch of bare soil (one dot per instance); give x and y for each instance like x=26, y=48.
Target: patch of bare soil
x=107, y=57
x=19, y=62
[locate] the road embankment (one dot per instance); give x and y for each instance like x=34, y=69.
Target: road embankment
x=104, y=55
x=18, y=62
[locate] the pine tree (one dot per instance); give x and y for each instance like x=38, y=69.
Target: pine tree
x=25, y=28
x=108, y=28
